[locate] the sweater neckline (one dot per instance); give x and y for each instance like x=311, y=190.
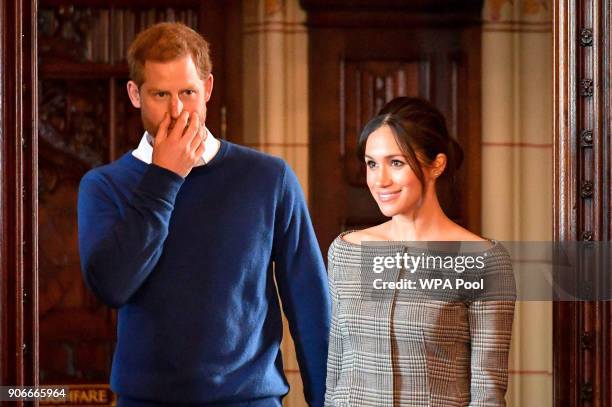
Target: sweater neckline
x=217, y=160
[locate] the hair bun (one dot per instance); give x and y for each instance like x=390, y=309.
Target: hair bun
x=417, y=125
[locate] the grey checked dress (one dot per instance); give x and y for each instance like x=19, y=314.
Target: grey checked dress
x=404, y=350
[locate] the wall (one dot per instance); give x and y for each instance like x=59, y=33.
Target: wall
x=275, y=73
x=517, y=185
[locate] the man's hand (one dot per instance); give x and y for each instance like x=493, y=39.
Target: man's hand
x=180, y=148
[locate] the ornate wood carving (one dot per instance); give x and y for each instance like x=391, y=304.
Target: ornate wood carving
x=69, y=33
x=587, y=138
x=583, y=130
x=77, y=332
x=587, y=88
x=586, y=37
x=63, y=33
x=69, y=120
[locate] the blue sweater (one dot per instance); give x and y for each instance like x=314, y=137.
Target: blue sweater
x=189, y=264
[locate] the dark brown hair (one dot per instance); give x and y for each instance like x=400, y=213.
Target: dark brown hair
x=421, y=133
x=165, y=42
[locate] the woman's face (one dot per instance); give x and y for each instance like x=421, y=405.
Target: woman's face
x=393, y=184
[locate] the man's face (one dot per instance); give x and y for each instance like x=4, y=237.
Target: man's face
x=172, y=87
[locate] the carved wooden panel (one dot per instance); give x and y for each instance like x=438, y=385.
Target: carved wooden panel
x=76, y=331
x=68, y=33
x=582, y=207
x=69, y=119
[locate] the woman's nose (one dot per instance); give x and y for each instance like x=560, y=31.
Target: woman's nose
x=382, y=177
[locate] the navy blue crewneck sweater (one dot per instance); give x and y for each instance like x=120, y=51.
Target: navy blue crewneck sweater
x=188, y=262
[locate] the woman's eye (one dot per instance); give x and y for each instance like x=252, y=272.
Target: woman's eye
x=397, y=163
x=370, y=164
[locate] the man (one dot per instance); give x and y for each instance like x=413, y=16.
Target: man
x=181, y=236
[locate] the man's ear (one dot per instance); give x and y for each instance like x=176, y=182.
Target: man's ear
x=134, y=94
x=208, y=87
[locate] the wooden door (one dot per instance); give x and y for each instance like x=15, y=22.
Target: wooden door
x=360, y=58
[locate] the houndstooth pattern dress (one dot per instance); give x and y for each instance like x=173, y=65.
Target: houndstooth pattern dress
x=398, y=350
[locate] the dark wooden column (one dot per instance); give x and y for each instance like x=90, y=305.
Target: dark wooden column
x=583, y=133
x=18, y=187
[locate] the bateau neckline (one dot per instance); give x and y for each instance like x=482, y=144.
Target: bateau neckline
x=398, y=243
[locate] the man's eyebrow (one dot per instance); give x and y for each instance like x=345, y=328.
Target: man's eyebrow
x=156, y=90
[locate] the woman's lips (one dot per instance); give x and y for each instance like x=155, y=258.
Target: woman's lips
x=388, y=196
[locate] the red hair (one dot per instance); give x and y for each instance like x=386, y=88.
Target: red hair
x=165, y=42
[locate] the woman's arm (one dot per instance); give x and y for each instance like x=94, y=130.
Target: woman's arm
x=491, y=332
x=334, y=356
x=490, y=318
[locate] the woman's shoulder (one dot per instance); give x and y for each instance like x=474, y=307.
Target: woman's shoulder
x=460, y=234
x=357, y=237
x=347, y=247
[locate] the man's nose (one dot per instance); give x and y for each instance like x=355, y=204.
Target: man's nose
x=176, y=107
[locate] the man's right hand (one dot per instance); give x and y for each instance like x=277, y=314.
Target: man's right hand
x=180, y=148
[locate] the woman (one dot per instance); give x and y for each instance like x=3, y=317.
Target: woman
x=406, y=349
